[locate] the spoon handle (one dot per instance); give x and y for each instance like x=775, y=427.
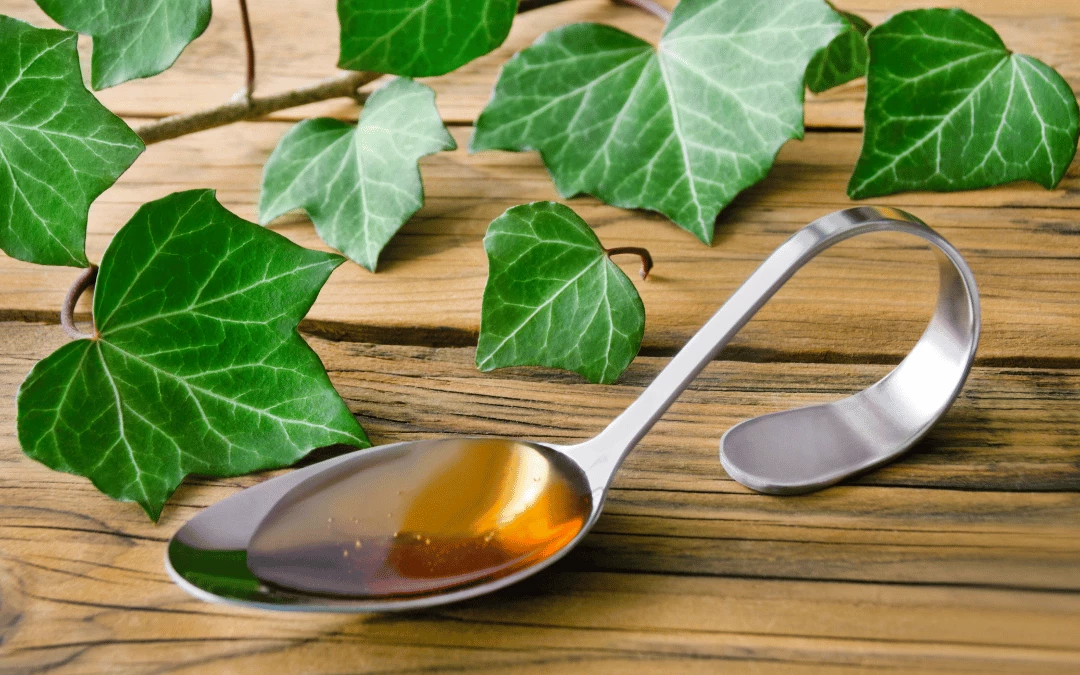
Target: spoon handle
x=602, y=455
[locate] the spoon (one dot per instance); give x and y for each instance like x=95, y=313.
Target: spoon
x=424, y=523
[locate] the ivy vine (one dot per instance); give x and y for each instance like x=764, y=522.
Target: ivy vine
x=194, y=364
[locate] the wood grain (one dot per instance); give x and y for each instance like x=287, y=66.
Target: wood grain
x=924, y=565
x=866, y=300
x=297, y=43
x=961, y=557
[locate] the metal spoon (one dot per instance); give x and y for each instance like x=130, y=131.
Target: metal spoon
x=418, y=524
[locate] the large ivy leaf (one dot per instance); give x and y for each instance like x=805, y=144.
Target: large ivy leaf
x=554, y=298
x=843, y=60
x=132, y=38
x=680, y=130
x=196, y=367
x=59, y=147
x=420, y=37
x=949, y=107
x=358, y=183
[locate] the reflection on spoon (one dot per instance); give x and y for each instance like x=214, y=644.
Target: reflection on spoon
x=422, y=518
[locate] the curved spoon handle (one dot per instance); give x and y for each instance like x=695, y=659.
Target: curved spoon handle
x=822, y=444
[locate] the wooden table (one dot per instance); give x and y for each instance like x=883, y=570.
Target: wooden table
x=964, y=555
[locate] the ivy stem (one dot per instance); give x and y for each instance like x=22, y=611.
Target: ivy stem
x=646, y=258
x=245, y=106
x=249, y=86
x=67, y=311
x=649, y=6
x=339, y=86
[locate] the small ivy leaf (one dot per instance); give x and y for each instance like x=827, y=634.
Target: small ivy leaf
x=197, y=366
x=843, y=60
x=681, y=129
x=131, y=39
x=554, y=298
x=59, y=147
x=949, y=107
x=417, y=38
x=358, y=183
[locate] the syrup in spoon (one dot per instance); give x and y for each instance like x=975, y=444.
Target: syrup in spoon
x=422, y=518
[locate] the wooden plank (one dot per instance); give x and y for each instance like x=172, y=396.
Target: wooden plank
x=941, y=504
x=686, y=569
x=116, y=607
x=1012, y=429
x=876, y=291
x=117, y=610
x=297, y=44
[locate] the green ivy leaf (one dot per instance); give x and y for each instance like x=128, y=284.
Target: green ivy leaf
x=949, y=107
x=680, y=130
x=59, y=147
x=197, y=366
x=131, y=39
x=417, y=38
x=554, y=298
x=358, y=183
x=843, y=60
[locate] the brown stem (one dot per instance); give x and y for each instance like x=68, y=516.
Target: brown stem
x=339, y=86
x=649, y=6
x=646, y=259
x=249, y=87
x=67, y=311
x=248, y=107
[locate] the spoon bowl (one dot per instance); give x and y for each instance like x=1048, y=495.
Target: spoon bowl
x=429, y=522
x=423, y=518
x=398, y=526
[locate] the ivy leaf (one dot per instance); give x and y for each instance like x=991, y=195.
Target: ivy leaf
x=949, y=107
x=59, y=147
x=417, y=38
x=358, y=183
x=131, y=39
x=554, y=298
x=680, y=130
x=843, y=60
x=197, y=366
